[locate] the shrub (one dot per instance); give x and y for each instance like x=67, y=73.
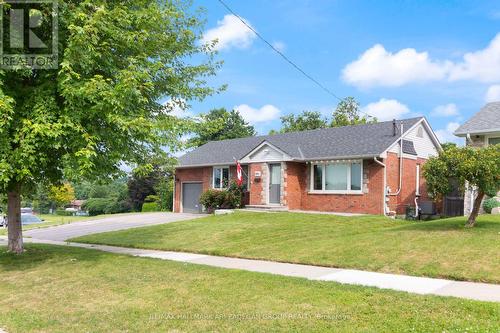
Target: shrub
x=152, y=198
x=61, y=212
x=225, y=199
x=150, y=207
x=97, y=206
x=116, y=207
x=489, y=204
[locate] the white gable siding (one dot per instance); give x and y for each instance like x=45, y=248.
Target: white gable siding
x=424, y=145
x=265, y=154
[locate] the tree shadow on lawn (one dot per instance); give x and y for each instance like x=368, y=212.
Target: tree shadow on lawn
x=448, y=225
x=38, y=254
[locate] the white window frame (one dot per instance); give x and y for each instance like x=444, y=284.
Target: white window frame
x=221, y=168
x=348, y=191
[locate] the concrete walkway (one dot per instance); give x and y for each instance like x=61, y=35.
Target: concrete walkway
x=411, y=284
x=112, y=223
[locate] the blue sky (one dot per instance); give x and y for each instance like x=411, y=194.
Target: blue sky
x=399, y=59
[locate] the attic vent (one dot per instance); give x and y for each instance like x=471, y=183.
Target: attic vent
x=420, y=132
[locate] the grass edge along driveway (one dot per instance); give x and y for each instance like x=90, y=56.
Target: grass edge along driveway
x=61, y=289
x=441, y=248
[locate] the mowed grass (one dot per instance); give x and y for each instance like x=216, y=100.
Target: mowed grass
x=441, y=248
x=62, y=289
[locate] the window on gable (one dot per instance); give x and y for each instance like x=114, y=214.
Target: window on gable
x=220, y=177
x=420, y=132
x=337, y=177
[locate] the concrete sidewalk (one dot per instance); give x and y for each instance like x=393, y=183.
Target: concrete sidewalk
x=411, y=284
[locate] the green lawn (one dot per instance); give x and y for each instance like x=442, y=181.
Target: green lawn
x=56, y=289
x=442, y=248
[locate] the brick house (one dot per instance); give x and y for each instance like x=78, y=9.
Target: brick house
x=372, y=168
x=482, y=130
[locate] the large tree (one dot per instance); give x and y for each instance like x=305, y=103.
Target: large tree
x=479, y=168
x=220, y=124
x=117, y=59
x=348, y=112
x=307, y=120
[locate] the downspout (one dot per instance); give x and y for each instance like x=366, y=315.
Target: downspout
x=384, y=194
x=400, y=164
x=173, y=195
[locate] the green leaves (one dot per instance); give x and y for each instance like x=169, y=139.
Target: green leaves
x=100, y=108
x=479, y=167
x=220, y=124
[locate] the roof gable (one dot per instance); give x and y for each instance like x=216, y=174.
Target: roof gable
x=265, y=152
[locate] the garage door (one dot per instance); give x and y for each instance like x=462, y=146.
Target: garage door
x=191, y=193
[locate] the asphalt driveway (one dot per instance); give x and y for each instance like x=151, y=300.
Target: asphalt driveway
x=112, y=223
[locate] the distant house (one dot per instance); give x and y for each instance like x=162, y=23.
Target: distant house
x=76, y=205
x=372, y=168
x=481, y=130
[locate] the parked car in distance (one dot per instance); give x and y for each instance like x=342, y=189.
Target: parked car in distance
x=26, y=210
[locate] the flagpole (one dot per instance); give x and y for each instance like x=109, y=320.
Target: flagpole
x=234, y=158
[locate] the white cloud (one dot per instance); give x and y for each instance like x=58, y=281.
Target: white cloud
x=386, y=109
x=177, y=108
x=280, y=46
x=493, y=94
x=482, y=65
x=252, y=115
x=447, y=110
x=230, y=32
x=379, y=67
x=446, y=134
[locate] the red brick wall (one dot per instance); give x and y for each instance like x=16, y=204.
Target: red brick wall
x=296, y=187
x=370, y=202
x=407, y=194
x=203, y=175
x=257, y=193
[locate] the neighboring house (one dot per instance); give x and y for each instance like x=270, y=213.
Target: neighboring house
x=481, y=130
x=354, y=169
x=76, y=205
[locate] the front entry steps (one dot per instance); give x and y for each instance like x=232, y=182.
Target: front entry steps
x=266, y=208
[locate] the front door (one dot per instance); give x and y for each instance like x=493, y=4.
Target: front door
x=191, y=193
x=274, y=183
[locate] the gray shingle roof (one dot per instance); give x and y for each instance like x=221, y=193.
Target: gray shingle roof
x=409, y=147
x=486, y=120
x=340, y=142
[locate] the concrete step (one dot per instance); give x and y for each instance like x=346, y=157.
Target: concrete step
x=266, y=208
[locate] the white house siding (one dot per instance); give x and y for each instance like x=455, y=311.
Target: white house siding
x=424, y=146
x=266, y=154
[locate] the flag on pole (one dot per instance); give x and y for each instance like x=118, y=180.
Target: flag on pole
x=239, y=173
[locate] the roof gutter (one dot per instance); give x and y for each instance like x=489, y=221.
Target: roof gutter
x=487, y=131
x=189, y=166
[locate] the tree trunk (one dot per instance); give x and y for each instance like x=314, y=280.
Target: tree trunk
x=14, y=220
x=475, y=210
